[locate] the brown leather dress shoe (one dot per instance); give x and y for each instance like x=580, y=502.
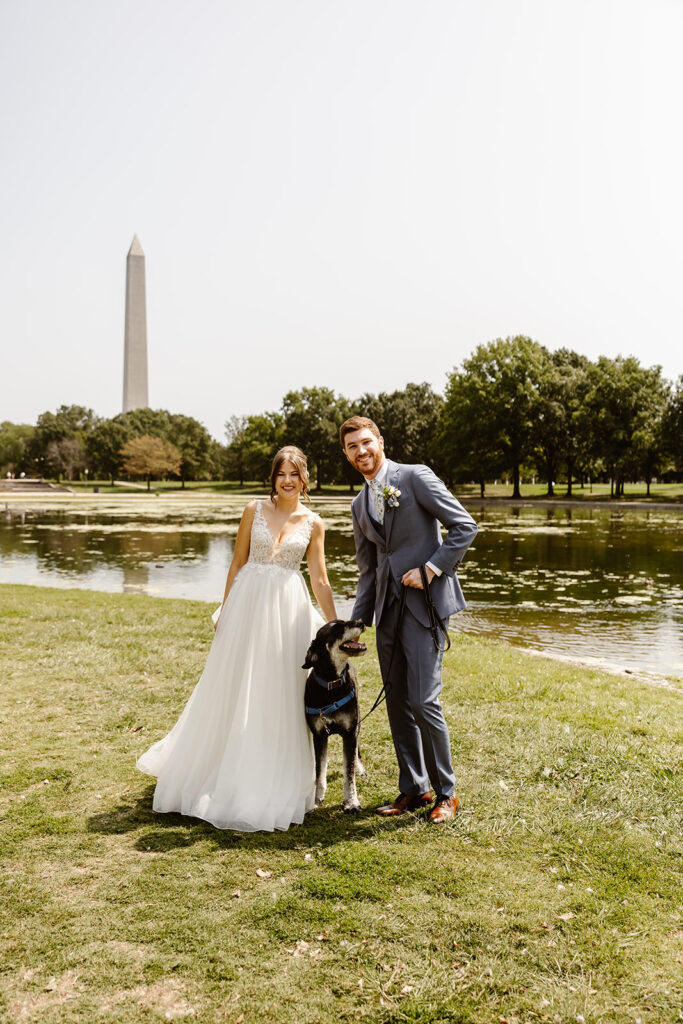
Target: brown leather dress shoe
x=445, y=808
x=404, y=803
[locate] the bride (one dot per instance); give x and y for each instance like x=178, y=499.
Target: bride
x=240, y=755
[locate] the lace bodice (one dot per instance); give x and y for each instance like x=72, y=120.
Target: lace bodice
x=263, y=549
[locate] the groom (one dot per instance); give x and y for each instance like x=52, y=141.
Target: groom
x=396, y=526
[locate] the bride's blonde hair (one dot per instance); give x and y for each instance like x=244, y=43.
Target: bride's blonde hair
x=290, y=453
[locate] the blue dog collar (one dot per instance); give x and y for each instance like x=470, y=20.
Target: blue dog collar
x=334, y=683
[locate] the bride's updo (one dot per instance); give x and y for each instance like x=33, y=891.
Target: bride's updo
x=290, y=453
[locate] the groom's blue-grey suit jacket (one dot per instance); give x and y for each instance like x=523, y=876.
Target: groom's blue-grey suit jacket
x=412, y=536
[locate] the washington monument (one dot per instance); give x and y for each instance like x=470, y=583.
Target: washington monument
x=135, y=334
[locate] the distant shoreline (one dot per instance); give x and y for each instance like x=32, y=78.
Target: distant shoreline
x=467, y=500
x=573, y=502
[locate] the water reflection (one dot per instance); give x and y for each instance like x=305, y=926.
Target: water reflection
x=586, y=582
x=136, y=579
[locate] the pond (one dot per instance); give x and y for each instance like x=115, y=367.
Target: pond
x=592, y=583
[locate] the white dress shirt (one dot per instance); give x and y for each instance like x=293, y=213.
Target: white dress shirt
x=380, y=479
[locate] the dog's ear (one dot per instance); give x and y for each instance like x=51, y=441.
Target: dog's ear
x=311, y=658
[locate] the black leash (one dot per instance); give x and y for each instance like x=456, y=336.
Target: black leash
x=436, y=628
x=436, y=625
x=386, y=683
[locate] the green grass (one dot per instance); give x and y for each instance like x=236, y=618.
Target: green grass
x=555, y=895
x=598, y=492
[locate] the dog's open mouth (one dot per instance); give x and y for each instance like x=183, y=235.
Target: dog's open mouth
x=353, y=647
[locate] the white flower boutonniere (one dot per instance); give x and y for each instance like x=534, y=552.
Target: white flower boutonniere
x=391, y=496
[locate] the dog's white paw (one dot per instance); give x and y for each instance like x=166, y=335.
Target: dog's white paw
x=352, y=808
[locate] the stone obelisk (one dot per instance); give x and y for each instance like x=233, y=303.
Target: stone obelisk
x=135, y=334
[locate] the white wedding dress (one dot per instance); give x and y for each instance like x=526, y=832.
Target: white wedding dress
x=241, y=755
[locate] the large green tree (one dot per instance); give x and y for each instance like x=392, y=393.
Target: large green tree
x=252, y=443
x=573, y=371
x=16, y=447
x=236, y=447
x=649, y=444
x=503, y=380
x=68, y=423
x=193, y=441
x=407, y=419
x=216, y=460
x=153, y=422
x=468, y=437
x=673, y=427
x=103, y=445
x=185, y=433
x=560, y=432
x=626, y=403
x=312, y=417
x=550, y=428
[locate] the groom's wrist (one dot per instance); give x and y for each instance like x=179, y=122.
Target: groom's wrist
x=435, y=570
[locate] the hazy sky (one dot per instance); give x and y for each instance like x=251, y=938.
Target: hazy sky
x=333, y=192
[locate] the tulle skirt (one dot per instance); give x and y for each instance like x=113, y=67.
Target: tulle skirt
x=241, y=756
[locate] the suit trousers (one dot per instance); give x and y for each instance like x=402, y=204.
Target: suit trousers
x=410, y=662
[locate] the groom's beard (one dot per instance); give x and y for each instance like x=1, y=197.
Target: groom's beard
x=370, y=469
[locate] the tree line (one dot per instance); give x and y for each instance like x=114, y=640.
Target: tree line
x=512, y=408
x=75, y=443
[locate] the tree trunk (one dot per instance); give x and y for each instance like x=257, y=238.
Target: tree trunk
x=647, y=481
x=570, y=474
x=482, y=488
x=611, y=487
x=148, y=482
x=182, y=483
x=515, y=477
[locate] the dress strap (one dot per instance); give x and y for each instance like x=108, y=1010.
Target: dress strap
x=312, y=516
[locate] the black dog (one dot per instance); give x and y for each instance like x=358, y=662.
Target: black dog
x=331, y=701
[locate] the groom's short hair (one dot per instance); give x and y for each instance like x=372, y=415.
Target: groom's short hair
x=357, y=423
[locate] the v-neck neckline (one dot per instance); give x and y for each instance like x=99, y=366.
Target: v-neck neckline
x=278, y=543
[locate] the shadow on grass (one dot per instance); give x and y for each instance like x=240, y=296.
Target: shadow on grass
x=163, y=833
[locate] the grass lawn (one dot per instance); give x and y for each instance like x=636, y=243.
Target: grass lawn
x=556, y=895
x=599, y=492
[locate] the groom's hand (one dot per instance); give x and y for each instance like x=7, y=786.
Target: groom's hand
x=412, y=578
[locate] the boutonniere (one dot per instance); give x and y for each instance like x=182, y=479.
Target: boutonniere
x=391, y=496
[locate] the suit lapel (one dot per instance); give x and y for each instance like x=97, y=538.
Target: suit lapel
x=389, y=512
x=366, y=521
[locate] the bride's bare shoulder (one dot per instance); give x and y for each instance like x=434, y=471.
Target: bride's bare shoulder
x=249, y=510
x=317, y=525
